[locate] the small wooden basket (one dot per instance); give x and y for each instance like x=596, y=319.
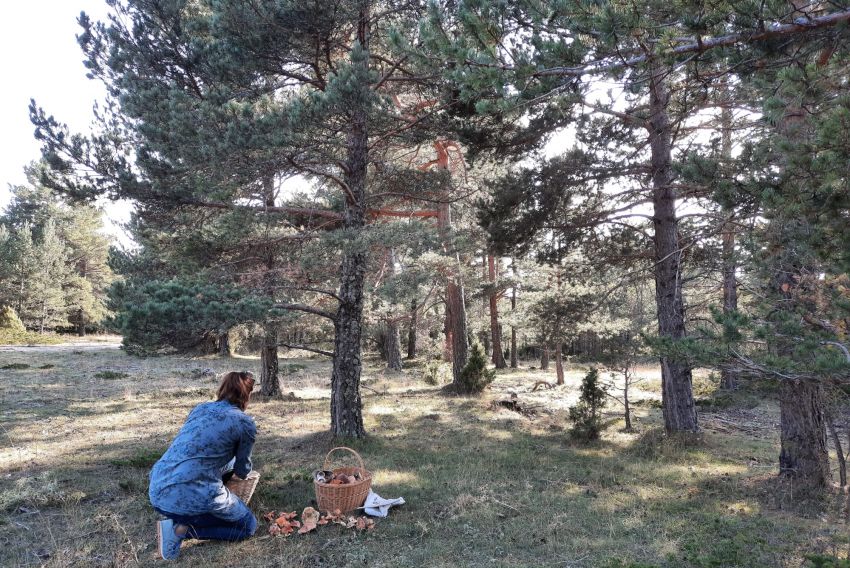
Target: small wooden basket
x=345, y=497
x=244, y=488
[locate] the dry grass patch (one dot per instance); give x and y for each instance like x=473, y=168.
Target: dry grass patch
x=483, y=486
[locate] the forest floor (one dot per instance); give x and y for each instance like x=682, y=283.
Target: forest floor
x=80, y=427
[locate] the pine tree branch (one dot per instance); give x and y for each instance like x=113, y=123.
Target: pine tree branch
x=300, y=211
x=389, y=73
x=305, y=309
x=696, y=45
x=336, y=179
x=305, y=348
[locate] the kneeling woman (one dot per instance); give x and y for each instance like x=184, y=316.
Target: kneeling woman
x=187, y=483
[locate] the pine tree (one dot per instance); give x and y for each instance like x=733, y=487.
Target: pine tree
x=214, y=101
x=582, y=198
x=91, y=276
x=587, y=414
x=475, y=376
x=40, y=228
x=45, y=305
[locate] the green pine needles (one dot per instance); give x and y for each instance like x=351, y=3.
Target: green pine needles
x=475, y=376
x=587, y=414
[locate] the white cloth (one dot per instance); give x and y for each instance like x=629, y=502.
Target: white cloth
x=377, y=506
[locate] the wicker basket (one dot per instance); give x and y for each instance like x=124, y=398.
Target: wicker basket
x=345, y=497
x=243, y=488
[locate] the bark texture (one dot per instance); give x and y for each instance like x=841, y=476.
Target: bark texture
x=559, y=364
x=411, y=331
x=544, y=358
x=269, y=375
x=677, y=397
x=495, y=328
x=223, y=343
x=346, y=405
x=392, y=346
x=513, y=329
x=81, y=324
x=457, y=345
x=803, y=457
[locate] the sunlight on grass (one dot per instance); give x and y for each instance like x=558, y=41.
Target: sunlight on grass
x=481, y=486
x=396, y=477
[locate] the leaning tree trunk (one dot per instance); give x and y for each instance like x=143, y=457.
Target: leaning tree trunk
x=346, y=405
x=392, y=346
x=803, y=457
x=411, y=331
x=495, y=328
x=677, y=397
x=269, y=375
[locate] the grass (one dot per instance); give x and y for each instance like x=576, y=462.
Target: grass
x=140, y=457
x=483, y=486
x=110, y=375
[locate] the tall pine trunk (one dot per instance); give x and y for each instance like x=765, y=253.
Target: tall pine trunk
x=392, y=338
x=269, y=367
x=411, y=331
x=269, y=375
x=392, y=346
x=495, y=329
x=803, y=457
x=456, y=330
x=677, y=398
x=544, y=358
x=81, y=323
x=728, y=377
x=513, y=315
x=346, y=405
x=559, y=363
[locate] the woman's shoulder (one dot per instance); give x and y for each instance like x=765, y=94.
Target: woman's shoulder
x=233, y=411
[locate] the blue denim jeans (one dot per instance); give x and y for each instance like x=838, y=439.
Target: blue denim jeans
x=210, y=527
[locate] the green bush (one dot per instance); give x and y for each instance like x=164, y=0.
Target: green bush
x=13, y=332
x=587, y=414
x=434, y=373
x=818, y=561
x=110, y=375
x=10, y=322
x=475, y=375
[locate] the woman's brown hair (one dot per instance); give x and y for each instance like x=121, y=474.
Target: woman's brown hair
x=236, y=388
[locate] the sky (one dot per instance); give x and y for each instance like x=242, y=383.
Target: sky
x=41, y=60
